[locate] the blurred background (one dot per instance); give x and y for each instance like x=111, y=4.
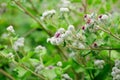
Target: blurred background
x=25, y=26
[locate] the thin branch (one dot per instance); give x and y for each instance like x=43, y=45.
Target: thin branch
x=11, y=42
x=34, y=8
x=92, y=48
x=84, y=4
x=6, y=74
x=29, y=32
x=29, y=14
x=109, y=32
x=109, y=54
x=26, y=68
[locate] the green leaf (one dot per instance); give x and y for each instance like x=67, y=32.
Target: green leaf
x=21, y=71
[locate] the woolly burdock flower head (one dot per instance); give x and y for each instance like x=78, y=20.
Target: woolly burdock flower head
x=59, y=63
x=103, y=17
x=66, y=77
x=71, y=28
x=99, y=63
x=18, y=43
x=58, y=37
x=61, y=30
x=39, y=48
x=83, y=27
x=47, y=14
x=10, y=29
x=63, y=10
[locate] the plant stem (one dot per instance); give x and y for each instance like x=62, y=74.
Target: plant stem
x=11, y=42
x=82, y=60
x=6, y=74
x=66, y=19
x=27, y=12
x=84, y=4
x=26, y=68
x=34, y=8
x=93, y=48
x=109, y=54
x=29, y=32
x=109, y=32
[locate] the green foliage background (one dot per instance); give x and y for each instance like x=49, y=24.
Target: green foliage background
x=24, y=25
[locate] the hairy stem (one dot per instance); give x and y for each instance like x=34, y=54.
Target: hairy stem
x=92, y=48
x=28, y=13
x=6, y=74
x=26, y=68
x=109, y=32
x=84, y=4
x=33, y=6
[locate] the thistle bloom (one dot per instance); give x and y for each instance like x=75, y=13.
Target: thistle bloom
x=90, y=18
x=103, y=17
x=84, y=27
x=87, y=16
x=61, y=35
x=56, y=39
